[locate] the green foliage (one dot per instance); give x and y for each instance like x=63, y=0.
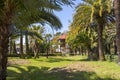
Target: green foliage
x=24, y=13
x=82, y=39
x=92, y=16
x=90, y=10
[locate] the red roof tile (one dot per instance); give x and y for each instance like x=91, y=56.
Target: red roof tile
x=63, y=36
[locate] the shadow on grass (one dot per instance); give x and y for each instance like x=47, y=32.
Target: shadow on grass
x=85, y=59
x=53, y=59
x=43, y=73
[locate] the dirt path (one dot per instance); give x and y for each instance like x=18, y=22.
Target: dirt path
x=82, y=71
x=76, y=66
x=18, y=62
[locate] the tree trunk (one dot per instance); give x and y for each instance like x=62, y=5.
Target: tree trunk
x=11, y=49
x=21, y=45
x=27, y=45
x=4, y=38
x=115, y=47
x=14, y=48
x=90, y=54
x=47, y=53
x=36, y=49
x=4, y=41
x=100, y=42
x=117, y=15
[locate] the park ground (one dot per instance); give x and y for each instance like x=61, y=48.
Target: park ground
x=62, y=68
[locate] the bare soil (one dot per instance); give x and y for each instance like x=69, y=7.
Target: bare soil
x=18, y=62
x=74, y=67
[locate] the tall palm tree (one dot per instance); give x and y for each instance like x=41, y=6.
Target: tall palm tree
x=117, y=15
x=94, y=12
x=10, y=11
x=27, y=43
x=21, y=44
x=47, y=38
x=12, y=39
x=36, y=38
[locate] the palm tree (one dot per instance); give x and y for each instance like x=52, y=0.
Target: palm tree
x=83, y=39
x=27, y=44
x=36, y=38
x=47, y=38
x=117, y=15
x=12, y=39
x=21, y=44
x=11, y=12
x=94, y=12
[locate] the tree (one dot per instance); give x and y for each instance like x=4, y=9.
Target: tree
x=12, y=39
x=117, y=15
x=71, y=38
x=10, y=13
x=35, y=39
x=96, y=12
x=83, y=38
x=21, y=45
x=47, y=40
x=27, y=44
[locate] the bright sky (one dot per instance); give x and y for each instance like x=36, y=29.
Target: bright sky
x=66, y=15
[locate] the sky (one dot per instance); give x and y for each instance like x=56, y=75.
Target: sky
x=66, y=16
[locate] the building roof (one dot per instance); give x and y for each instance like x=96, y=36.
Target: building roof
x=63, y=36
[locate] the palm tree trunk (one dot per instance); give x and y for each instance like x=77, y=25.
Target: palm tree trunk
x=117, y=15
x=14, y=48
x=47, y=53
x=100, y=42
x=115, y=47
x=27, y=45
x=10, y=52
x=4, y=41
x=21, y=45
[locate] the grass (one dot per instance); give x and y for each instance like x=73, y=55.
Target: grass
x=62, y=68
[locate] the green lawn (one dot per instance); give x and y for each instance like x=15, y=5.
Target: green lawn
x=62, y=68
